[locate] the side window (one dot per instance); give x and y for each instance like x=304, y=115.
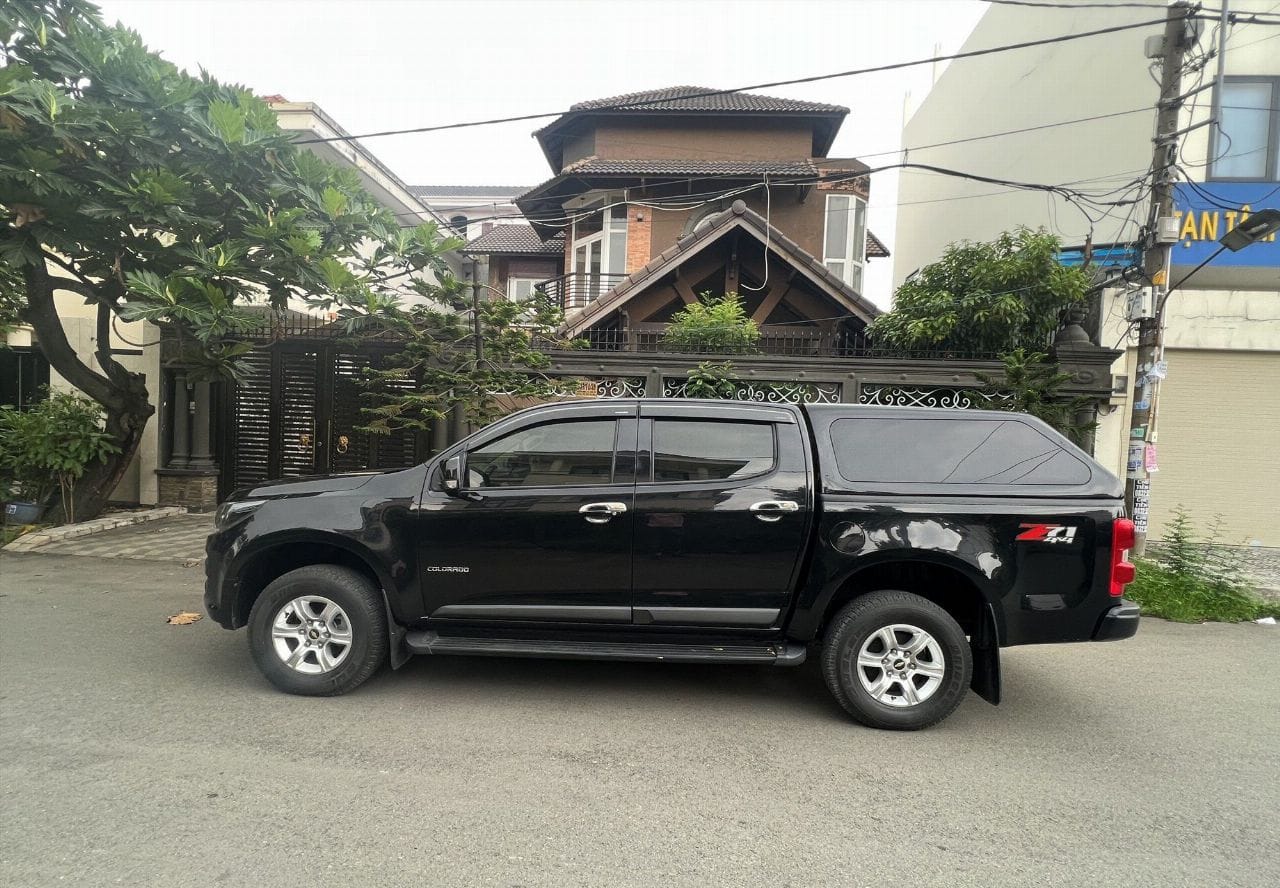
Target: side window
x=558, y=454
x=694, y=450
x=951, y=451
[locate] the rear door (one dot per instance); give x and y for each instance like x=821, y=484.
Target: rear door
x=722, y=507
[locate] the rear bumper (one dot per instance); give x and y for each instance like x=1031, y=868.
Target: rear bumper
x=1119, y=623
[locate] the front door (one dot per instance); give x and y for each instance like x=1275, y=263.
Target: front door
x=721, y=513
x=542, y=528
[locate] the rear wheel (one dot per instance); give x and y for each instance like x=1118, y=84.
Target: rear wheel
x=895, y=660
x=318, y=630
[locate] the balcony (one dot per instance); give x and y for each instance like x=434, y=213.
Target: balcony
x=775, y=339
x=578, y=289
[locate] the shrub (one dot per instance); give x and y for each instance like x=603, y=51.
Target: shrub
x=47, y=447
x=716, y=324
x=1195, y=582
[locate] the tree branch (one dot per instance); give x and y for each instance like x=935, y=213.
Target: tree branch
x=41, y=313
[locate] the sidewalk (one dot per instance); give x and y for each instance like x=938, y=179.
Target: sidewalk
x=177, y=539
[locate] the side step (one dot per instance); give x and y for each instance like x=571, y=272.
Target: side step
x=781, y=654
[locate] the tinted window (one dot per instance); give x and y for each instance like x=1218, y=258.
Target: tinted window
x=560, y=454
x=689, y=450
x=951, y=451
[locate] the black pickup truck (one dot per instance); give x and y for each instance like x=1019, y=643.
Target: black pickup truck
x=907, y=545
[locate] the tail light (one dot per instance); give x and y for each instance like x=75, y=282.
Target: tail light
x=1122, y=540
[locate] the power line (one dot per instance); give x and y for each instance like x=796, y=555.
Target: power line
x=650, y=102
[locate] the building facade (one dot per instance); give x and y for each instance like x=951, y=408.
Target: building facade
x=659, y=198
x=1085, y=112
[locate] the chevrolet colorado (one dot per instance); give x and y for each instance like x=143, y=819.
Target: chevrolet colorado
x=905, y=546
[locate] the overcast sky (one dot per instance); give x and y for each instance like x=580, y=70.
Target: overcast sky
x=388, y=64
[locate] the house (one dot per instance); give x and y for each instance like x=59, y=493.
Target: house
x=471, y=210
x=1218, y=414
x=659, y=197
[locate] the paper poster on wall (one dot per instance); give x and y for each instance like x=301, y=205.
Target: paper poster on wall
x=1149, y=459
x=1134, y=466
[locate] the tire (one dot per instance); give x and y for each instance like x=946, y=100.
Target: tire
x=334, y=615
x=858, y=662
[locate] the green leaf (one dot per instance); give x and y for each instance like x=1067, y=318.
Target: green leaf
x=227, y=120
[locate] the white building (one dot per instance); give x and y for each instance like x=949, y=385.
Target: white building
x=472, y=210
x=1219, y=414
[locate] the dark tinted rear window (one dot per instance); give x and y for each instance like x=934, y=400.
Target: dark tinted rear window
x=951, y=451
x=692, y=450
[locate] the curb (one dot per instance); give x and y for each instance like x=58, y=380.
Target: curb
x=31, y=541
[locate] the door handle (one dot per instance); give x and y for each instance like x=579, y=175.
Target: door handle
x=773, y=510
x=600, y=513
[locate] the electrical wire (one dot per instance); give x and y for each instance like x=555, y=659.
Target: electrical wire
x=650, y=103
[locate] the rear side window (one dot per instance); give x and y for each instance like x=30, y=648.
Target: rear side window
x=952, y=451
x=693, y=450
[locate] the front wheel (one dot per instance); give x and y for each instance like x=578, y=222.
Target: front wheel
x=895, y=660
x=318, y=631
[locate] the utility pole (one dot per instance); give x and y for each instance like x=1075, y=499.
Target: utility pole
x=1156, y=262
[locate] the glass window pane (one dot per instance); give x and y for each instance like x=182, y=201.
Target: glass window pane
x=837, y=242
x=560, y=454
x=593, y=265
x=859, y=244
x=958, y=451
x=586, y=225
x=691, y=450
x=618, y=217
x=1246, y=125
x=618, y=252
x=854, y=280
x=836, y=268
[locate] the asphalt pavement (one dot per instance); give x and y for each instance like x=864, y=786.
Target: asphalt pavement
x=139, y=753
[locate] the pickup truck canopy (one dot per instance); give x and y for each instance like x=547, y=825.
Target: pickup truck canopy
x=942, y=452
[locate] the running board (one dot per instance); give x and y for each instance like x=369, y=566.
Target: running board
x=782, y=654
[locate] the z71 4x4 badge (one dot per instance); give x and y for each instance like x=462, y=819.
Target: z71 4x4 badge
x=1046, y=533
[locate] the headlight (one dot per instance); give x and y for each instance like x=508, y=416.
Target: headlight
x=232, y=513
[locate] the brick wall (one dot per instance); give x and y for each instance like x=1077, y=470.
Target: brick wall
x=639, y=233
x=196, y=491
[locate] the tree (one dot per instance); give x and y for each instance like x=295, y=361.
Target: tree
x=152, y=194
x=1032, y=384
x=717, y=324
x=439, y=353
x=984, y=297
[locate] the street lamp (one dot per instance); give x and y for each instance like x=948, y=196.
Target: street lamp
x=1251, y=230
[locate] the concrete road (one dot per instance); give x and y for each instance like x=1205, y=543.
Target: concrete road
x=137, y=753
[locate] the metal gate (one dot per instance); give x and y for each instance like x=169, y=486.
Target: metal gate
x=297, y=413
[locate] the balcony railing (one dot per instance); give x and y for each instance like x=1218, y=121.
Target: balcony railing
x=774, y=340
x=579, y=289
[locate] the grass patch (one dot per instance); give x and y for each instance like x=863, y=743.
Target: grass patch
x=1184, y=598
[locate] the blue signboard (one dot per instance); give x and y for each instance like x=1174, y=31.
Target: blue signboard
x=1208, y=210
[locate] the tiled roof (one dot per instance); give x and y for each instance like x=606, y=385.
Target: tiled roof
x=694, y=98
x=467, y=190
x=604, y=167
x=876, y=248
x=515, y=239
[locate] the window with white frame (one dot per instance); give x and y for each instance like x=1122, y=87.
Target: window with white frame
x=844, y=242
x=600, y=237
x=1246, y=144
x=521, y=288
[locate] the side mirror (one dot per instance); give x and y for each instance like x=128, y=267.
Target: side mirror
x=452, y=475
